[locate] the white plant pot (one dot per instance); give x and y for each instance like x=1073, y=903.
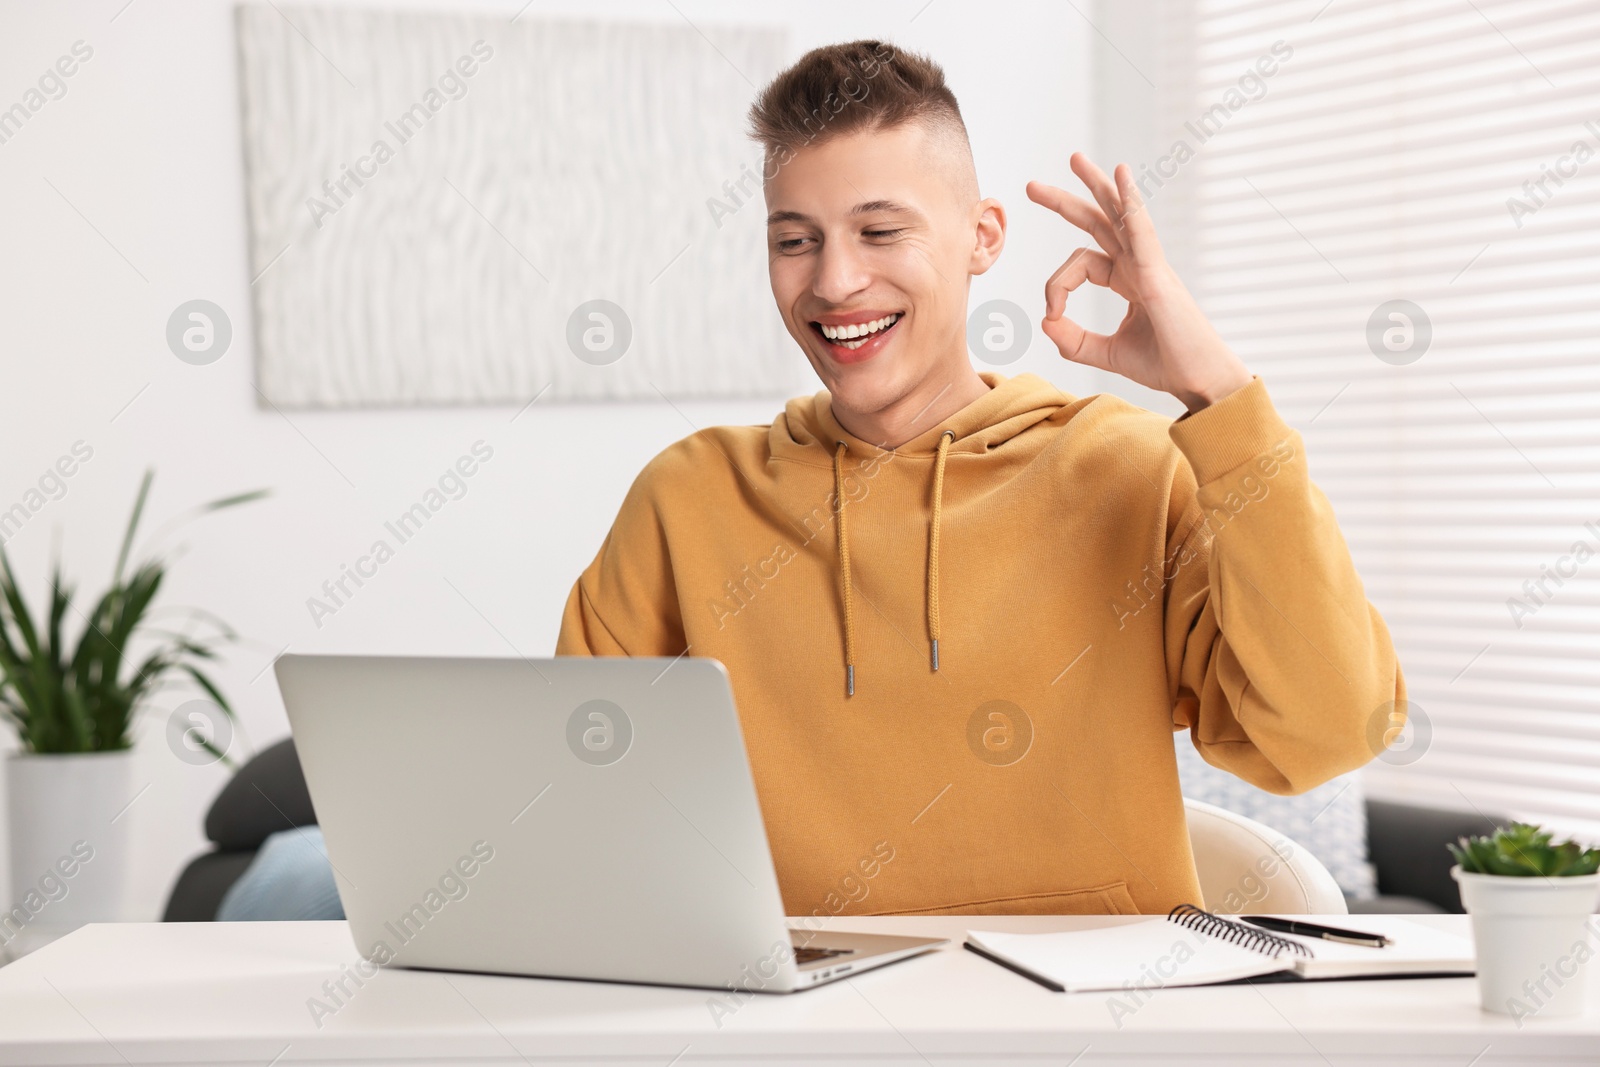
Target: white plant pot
x=1535, y=952
x=69, y=838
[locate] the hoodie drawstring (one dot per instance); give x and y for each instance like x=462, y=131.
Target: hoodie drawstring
x=933, y=558
x=844, y=576
x=933, y=543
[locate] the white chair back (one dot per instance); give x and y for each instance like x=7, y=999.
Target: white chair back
x=1247, y=868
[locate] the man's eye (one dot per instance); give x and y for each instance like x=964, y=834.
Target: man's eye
x=884, y=233
x=790, y=244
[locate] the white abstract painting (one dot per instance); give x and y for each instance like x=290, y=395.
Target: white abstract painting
x=463, y=209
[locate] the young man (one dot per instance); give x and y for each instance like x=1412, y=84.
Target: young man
x=965, y=613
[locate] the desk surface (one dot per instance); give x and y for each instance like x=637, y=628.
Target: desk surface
x=188, y=993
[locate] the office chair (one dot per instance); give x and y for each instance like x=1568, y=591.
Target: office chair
x=1247, y=868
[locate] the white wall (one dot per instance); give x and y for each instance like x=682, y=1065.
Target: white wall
x=124, y=198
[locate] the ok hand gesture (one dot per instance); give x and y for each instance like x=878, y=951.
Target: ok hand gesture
x=1164, y=342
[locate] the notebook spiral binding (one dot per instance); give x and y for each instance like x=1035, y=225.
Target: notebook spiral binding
x=1251, y=937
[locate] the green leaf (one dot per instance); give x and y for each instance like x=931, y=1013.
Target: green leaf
x=236, y=499
x=19, y=609
x=1587, y=863
x=60, y=601
x=133, y=524
x=83, y=736
x=211, y=690
x=225, y=631
x=1523, y=850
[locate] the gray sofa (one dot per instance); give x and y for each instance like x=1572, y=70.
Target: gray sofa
x=1405, y=843
x=268, y=794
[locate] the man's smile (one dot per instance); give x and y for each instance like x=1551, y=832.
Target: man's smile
x=856, y=337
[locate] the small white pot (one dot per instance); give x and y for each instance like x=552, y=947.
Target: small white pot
x=1534, y=948
x=69, y=844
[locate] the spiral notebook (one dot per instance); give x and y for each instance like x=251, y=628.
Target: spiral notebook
x=1190, y=946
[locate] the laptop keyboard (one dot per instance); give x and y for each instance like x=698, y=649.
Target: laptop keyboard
x=812, y=955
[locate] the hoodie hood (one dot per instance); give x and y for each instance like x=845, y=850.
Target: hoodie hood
x=808, y=432
x=1010, y=407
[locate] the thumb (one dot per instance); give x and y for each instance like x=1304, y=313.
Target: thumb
x=1076, y=343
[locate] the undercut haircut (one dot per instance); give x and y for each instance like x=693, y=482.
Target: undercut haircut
x=860, y=85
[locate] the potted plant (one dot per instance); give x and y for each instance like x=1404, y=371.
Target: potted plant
x=73, y=708
x=1531, y=903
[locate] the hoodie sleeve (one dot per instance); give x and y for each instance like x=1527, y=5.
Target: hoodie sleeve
x=625, y=602
x=1278, y=666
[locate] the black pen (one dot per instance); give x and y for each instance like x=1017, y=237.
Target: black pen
x=1326, y=933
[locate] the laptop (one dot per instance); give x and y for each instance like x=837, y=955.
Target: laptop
x=563, y=818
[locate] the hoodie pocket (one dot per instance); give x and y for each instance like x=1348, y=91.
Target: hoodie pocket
x=1111, y=898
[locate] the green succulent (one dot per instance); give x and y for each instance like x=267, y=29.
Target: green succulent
x=1524, y=851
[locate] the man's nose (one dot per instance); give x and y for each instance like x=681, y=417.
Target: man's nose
x=841, y=272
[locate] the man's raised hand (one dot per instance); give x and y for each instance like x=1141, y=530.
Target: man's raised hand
x=1164, y=342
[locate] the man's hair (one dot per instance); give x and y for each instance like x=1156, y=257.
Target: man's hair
x=855, y=85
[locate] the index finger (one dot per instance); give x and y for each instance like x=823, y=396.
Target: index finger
x=1079, y=212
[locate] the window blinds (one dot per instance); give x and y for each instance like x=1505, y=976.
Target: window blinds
x=1391, y=209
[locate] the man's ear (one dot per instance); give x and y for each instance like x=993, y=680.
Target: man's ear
x=989, y=231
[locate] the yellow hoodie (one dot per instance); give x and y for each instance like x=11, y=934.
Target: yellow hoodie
x=959, y=664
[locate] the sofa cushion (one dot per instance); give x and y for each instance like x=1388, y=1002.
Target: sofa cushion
x=290, y=879
x=267, y=794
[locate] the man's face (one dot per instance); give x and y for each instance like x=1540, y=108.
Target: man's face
x=867, y=229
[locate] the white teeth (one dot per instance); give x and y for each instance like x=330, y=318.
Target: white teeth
x=863, y=329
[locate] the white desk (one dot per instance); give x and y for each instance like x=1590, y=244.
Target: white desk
x=148, y=993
